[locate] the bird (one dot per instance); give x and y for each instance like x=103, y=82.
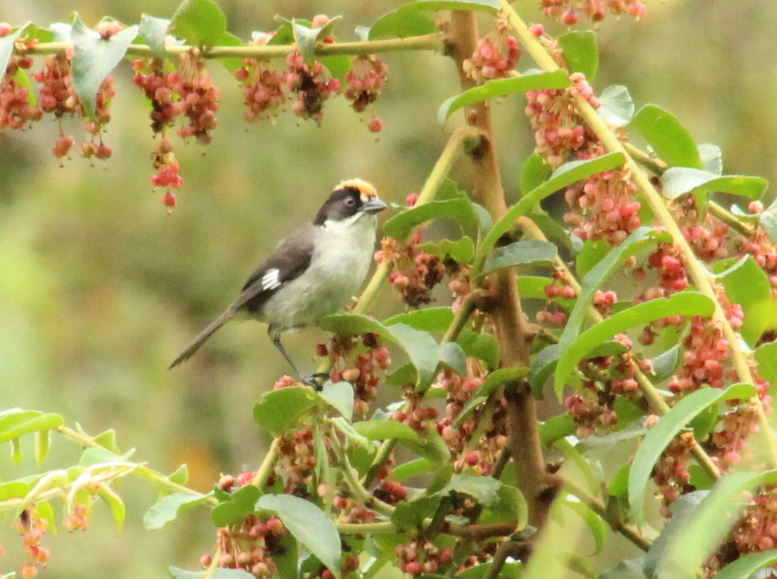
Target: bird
x=312, y=273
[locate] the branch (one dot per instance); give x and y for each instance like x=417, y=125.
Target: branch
x=158, y=478
x=425, y=42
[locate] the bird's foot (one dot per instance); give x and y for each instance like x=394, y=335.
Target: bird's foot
x=315, y=381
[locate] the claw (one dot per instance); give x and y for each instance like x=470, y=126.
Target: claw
x=315, y=381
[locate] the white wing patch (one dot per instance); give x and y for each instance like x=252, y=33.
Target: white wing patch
x=271, y=279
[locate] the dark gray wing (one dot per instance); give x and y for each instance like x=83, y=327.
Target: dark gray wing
x=288, y=261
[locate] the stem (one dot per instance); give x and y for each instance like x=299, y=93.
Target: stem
x=268, y=464
x=424, y=42
x=473, y=532
x=697, y=272
x=359, y=492
x=213, y=564
x=366, y=528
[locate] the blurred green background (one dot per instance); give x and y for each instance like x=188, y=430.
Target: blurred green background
x=100, y=288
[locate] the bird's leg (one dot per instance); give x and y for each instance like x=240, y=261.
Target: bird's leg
x=314, y=380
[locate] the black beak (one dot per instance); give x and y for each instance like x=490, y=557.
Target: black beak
x=374, y=205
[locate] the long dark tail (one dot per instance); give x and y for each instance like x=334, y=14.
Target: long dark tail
x=202, y=337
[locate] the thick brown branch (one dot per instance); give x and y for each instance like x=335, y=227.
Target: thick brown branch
x=511, y=327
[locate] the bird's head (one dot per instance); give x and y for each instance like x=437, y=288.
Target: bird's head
x=350, y=200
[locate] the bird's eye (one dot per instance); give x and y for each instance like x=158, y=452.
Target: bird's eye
x=350, y=201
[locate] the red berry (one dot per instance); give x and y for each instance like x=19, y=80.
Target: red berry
x=375, y=125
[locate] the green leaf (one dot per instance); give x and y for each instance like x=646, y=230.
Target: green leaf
x=452, y=356
x=659, y=437
x=556, y=428
x=414, y=468
x=107, y=439
x=620, y=482
x=218, y=573
x=710, y=523
x=677, y=181
x=766, y=355
x=237, y=507
x=428, y=320
x=534, y=172
x=199, y=22
x=42, y=445
x=114, y=502
x=747, y=565
x=616, y=107
x=511, y=507
x=154, y=31
x=405, y=375
x=591, y=254
x=306, y=37
x=768, y=220
x=527, y=252
x=748, y=285
x=61, y=31
x=309, y=525
x=16, y=451
x=489, y=6
x=542, y=366
x=409, y=515
x=7, y=46
x=180, y=476
x=282, y=410
x=481, y=346
x=338, y=66
x=460, y=210
x=669, y=139
x=405, y=22
x=94, y=58
x=168, y=508
x=594, y=522
x=712, y=158
x=340, y=396
x=421, y=349
x=682, y=304
x=14, y=490
x=16, y=422
x=93, y=456
x=385, y=430
x=483, y=489
x=665, y=364
x=599, y=445
x=502, y=87
x=631, y=569
x=682, y=510
x=581, y=52
x=461, y=250
x=562, y=177
x=353, y=324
